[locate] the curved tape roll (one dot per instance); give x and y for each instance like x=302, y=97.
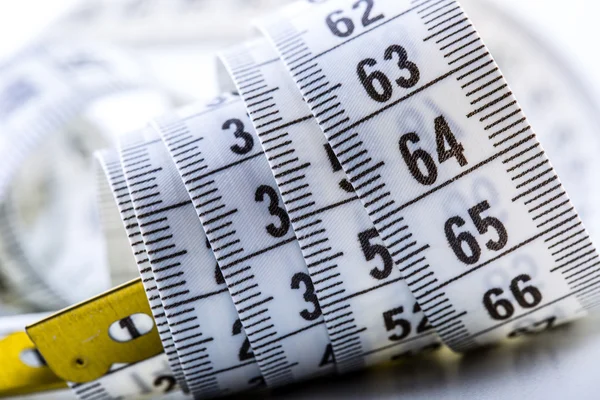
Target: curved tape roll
x=371, y=314
x=413, y=61
x=236, y=198
x=212, y=351
x=421, y=128
x=115, y=176
x=43, y=91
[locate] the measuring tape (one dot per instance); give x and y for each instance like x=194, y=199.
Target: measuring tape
x=150, y=22
x=461, y=96
x=45, y=92
x=428, y=202
x=353, y=275
x=212, y=352
x=23, y=367
x=220, y=177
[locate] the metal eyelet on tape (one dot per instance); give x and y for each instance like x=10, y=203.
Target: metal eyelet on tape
x=371, y=315
x=213, y=352
x=236, y=198
x=419, y=70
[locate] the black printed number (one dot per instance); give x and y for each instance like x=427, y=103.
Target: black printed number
x=401, y=326
x=371, y=250
x=127, y=323
x=275, y=210
x=218, y=274
x=377, y=84
x=420, y=163
x=344, y=26
x=309, y=296
x=240, y=134
x=535, y=328
x=344, y=184
x=328, y=356
x=245, y=353
x=459, y=242
x=526, y=296
x=166, y=381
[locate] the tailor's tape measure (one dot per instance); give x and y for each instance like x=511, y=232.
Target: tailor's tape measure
x=151, y=378
x=142, y=375
x=138, y=325
x=236, y=198
x=371, y=314
x=457, y=187
x=555, y=97
x=213, y=352
x=150, y=22
x=44, y=90
x=426, y=56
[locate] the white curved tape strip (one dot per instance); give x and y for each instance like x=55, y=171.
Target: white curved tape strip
x=417, y=112
x=239, y=205
x=213, y=351
x=148, y=379
x=427, y=170
x=371, y=314
x=111, y=163
x=42, y=90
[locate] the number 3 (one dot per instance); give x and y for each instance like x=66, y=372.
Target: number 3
x=274, y=209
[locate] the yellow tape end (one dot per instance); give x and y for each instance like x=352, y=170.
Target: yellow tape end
x=22, y=369
x=82, y=342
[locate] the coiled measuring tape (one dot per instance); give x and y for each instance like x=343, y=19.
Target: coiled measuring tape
x=353, y=275
x=228, y=192
x=46, y=90
x=418, y=123
x=468, y=98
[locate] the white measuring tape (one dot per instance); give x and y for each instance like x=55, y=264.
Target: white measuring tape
x=476, y=132
x=211, y=351
x=353, y=275
x=151, y=378
x=427, y=207
x=45, y=93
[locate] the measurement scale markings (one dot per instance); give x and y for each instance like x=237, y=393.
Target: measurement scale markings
x=360, y=163
x=345, y=353
x=532, y=311
x=258, y=327
x=333, y=136
x=191, y=371
x=138, y=249
x=466, y=172
x=408, y=11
